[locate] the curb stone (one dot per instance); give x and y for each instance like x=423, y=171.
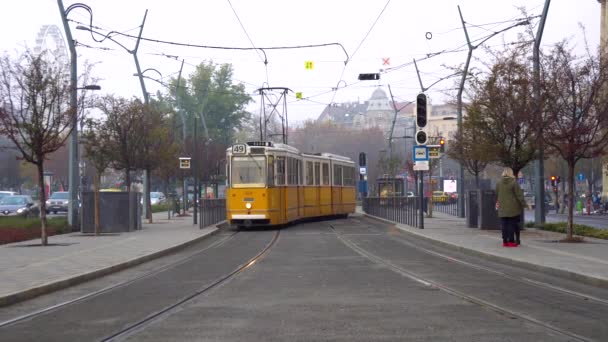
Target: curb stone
x=32, y=292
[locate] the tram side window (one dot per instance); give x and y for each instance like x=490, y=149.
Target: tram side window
x=345, y=175
x=348, y=176
x=317, y=173
x=309, y=173
x=270, y=170
x=228, y=174
x=325, y=174
x=280, y=174
x=300, y=172
x=338, y=175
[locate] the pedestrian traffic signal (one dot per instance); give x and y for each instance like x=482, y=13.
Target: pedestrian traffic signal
x=421, y=111
x=553, y=180
x=442, y=145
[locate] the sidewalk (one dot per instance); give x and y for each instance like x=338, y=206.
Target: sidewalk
x=586, y=262
x=28, y=271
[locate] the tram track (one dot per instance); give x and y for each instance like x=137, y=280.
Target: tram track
x=425, y=281
x=116, y=286
x=510, y=276
x=140, y=325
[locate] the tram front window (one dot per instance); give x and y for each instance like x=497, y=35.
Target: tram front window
x=248, y=171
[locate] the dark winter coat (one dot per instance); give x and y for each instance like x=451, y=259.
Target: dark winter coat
x=510, y=198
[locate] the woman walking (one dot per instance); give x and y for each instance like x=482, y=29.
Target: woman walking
x=510, y=203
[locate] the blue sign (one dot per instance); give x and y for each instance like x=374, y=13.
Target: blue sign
x=421, y=153
x=581, y=177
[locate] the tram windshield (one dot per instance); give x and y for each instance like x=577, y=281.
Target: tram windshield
x=248, y=171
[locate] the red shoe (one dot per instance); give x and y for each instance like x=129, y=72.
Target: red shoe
x=512, y=244
x=505, y=244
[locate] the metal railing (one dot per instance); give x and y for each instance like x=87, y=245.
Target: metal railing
x=212, y=211
x=398, y=209
x=449, y=207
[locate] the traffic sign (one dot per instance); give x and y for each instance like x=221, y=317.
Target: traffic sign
x=362, y=170
x=434, y=151
x=581, y=177
x=421, y=165
x=421, y=153
x=184, y=163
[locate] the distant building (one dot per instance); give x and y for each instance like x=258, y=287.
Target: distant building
x=378, y=111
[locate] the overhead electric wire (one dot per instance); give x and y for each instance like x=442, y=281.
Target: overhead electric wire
x=341, y=79
x=264, y=60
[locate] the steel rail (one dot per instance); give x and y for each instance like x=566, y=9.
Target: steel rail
x=170, y=309
x=112, y=287
x=434, y=284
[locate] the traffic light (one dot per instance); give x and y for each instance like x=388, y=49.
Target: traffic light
x=362, y=159
x=553, y=181
x=421, y=111
x=369, y=77
x=421, y=118
x=441, y=145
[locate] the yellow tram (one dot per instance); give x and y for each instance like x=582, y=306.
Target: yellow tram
x=272, y=184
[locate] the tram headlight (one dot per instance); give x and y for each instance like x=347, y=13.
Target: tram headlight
x=248, y=205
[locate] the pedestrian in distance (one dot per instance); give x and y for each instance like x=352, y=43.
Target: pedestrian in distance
x=510, y=204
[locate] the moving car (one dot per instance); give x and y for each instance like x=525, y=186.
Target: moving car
x=58, y=202
x=18, y=205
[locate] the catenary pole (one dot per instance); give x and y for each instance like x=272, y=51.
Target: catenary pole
x=146, y=177
x=539, y=201
x=73, y=140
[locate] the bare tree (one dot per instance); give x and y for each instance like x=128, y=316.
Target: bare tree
x=502, y=114
x=576, y=128
x=125, y=123
x=34, y=111
x=467, y=150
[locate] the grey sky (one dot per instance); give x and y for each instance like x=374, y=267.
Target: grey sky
x=399, y=35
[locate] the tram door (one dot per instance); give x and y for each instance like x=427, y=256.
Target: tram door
x=318, y=188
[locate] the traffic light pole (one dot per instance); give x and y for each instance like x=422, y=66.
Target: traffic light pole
x=421, y=200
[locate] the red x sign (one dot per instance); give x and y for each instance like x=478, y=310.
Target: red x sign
x=386, y=61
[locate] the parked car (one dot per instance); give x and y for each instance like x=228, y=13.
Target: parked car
x=7, y=193
x=157, y=198
x=410, y=194
x=440, y=197
x=18, y=205
x=58, y=201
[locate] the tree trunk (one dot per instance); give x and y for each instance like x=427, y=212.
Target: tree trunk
x=128, y=179
x=477, y=180
x=96, y=183
x=147, y=194
x=41, y=187
x=571, y=203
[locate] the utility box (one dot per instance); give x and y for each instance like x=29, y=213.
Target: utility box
x=489, y=219
x=472, y=202
x=118, y=212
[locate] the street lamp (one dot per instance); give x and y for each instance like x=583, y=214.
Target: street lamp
x=73, y=139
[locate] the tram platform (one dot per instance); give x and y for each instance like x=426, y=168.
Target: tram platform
x=28, y=269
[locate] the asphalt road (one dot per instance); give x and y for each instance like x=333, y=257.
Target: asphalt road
x=346, y=280
x=594, y=220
